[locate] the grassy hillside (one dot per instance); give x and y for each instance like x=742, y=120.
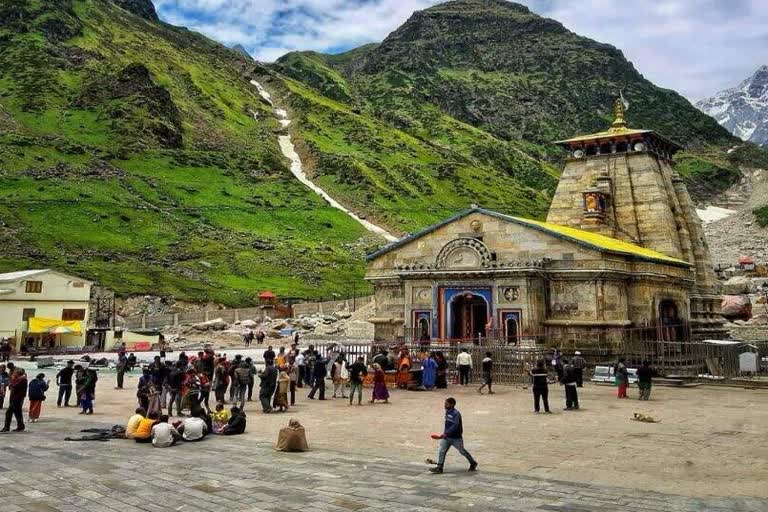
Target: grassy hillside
x=139, y=155
x=405, y=180
x=136, y=153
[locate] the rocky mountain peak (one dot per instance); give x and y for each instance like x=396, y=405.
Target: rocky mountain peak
x=142, y=8
x=743, y=109
x=475, y=5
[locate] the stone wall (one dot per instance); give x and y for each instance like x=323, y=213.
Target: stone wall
x=748, y=332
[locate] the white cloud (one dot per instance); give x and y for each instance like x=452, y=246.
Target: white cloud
x=693, y=46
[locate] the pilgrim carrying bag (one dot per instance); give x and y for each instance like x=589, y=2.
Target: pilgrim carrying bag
x=292, y=438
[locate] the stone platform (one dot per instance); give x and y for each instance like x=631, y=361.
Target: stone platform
x=39, y=471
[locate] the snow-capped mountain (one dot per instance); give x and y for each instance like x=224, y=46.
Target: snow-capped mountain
x=743, y=109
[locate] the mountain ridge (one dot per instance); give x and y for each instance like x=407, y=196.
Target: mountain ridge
x=743, y=109
x=139, y=154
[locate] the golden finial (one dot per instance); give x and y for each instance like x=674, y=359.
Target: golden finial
x=619, y=107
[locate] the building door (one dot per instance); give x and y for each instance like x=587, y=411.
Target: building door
x=469, y=315
x=671, y=326
x=511, y=329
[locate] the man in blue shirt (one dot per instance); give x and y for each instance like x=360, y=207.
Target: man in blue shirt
x=452, y=436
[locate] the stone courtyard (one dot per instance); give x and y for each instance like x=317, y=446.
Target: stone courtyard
x=708, y=453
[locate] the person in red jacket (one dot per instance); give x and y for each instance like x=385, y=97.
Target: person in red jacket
x=18, y=392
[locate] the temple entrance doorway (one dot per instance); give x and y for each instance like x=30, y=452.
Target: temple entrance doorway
x=671, y=326
x=469, y=315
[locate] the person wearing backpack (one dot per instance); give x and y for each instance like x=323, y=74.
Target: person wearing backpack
x=242, y=376
x=87, y=390
x=37, y=388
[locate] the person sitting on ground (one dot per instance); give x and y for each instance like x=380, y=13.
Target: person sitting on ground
x=220, y=418
x=143, y=432
x=236, y=423
x=133, y=422
x=193, y=429
x=164, y=435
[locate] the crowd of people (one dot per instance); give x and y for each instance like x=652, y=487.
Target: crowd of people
x=15, y=383
x=172, y=388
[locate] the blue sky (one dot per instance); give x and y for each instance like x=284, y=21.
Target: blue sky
x=696, y=47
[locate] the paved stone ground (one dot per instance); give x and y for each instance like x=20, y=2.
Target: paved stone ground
x=41, y=472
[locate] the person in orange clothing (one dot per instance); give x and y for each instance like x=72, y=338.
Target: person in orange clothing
x=144, y=430
x=403, y=369
x=133, y=423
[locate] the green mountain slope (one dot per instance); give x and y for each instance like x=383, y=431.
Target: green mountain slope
x=137, y=154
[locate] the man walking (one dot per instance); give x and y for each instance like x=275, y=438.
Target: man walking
x=464, y=363
x=569, y=382
x=318, y=377
x=539, y=377
x=357, y=372
x=453, y=435
x=269, y=355
x=251, y=378
x=64, y=381
x=175, y=379
x=18, y=392
x=242, y=376
x=487, y=374
x=579, y=363
x=122, y=367
x=302, y=369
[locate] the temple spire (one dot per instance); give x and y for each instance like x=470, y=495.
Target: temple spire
x=619, y=123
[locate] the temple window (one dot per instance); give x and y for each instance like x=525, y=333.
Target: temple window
x=594, y=202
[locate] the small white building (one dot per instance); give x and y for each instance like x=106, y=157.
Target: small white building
x=44, y=308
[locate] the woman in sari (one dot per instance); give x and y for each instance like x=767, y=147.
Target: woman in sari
x=428, y=372
x=380, y=391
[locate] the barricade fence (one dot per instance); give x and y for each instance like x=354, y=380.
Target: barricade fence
x=688, y=359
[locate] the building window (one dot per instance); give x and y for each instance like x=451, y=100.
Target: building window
x=34, y=287
x=73, y=314
x=78, y=284
x=27, y=313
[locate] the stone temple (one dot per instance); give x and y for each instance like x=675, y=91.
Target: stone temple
x=622, y=252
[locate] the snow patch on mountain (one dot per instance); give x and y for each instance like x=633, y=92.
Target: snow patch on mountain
x=743, y=110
